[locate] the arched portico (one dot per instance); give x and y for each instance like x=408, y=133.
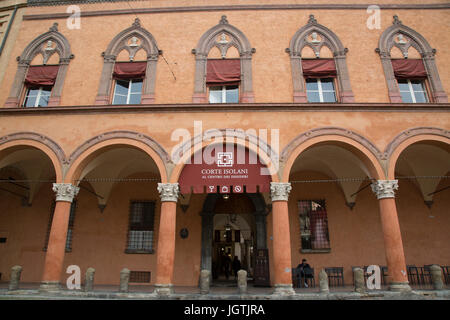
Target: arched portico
x=29, y=163
x=97, y=166
x=349, y=159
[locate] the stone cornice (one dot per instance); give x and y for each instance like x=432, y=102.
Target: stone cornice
x=238, y=107
x=222, y=8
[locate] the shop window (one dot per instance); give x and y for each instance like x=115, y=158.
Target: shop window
x=313, y=226
x=141, y=225
x=69, y=237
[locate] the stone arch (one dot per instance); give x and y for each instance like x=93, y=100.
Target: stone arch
x=35, y=47
x=186, y=150
x=408, y=137
x=207, y=42
x=81, y=155
x=418, y=42
x=35, y=157
x=128, y=40
x=363, y=148
x=41, y=142
x=328, y=39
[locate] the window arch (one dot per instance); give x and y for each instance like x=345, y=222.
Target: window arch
x=317, y=37
x=224, y=38
x=45, y=49
x=130, y=43
x=402, y=38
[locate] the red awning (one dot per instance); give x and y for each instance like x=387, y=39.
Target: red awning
x=41, y=75
x=223, y=71
x=129, y=70
x=232, y=170
x=319, y=68
x=409, y=68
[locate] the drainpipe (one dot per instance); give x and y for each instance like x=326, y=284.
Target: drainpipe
x=7, y=29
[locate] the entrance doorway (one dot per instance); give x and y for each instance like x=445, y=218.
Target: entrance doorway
x=233, y=225
x=232, y=245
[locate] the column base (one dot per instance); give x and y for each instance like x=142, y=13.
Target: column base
x=399, y=287
x=164, y=289
x=50, y=286
x=284, y=289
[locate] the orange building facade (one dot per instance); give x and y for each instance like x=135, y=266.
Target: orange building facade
x=112, y=110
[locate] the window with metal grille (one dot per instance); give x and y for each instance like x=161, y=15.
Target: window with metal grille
x=140, y=276
x=313, y=225
x=73, y=208
x=140, y=231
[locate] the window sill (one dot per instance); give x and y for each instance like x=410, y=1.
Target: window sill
x=315, y=250
x=135, y=251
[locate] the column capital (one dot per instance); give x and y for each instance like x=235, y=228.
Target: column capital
x=65, y=191
x=168, y=192
x=385, y=188
x=279, y=191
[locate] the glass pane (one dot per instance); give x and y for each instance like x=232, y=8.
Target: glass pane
x=329, y=97
x=29, y=101
x=33, y=92
x=136, y=86
x=313, y=96
x=232, y=94
x=421, y=97
x=403, y=85
x=122, y=87
x=406, y=97
x=120, y=99
x=215, y=95
x=327, y=84
x=311, y=84
x=417, y=85
x=43, y=101
x=135, y=98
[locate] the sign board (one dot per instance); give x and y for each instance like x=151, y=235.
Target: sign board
x=224, y=169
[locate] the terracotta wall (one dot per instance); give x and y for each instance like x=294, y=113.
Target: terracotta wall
x=178, y=33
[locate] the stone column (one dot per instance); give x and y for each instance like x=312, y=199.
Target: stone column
x=281, y=238
x=54, y=258
x=207, y=239
x=166, y=239
x=384, y=189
